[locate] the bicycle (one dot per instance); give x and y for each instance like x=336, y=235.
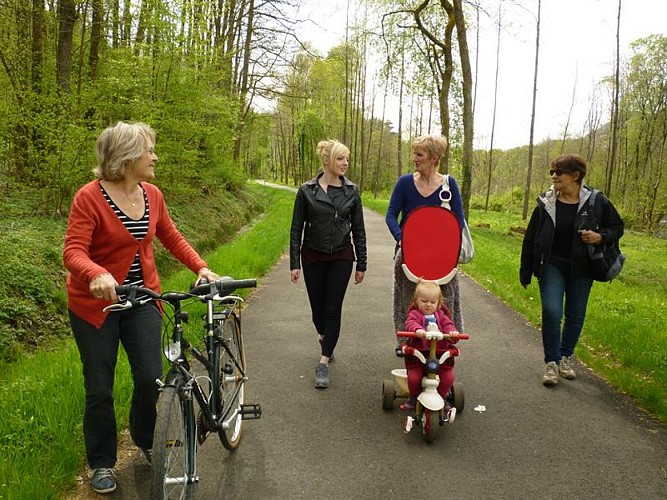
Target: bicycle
x=219, y=393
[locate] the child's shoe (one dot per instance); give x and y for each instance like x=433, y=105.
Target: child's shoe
x=410, y=404
x=451, y=415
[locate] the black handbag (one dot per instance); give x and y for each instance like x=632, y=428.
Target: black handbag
x=607, y=259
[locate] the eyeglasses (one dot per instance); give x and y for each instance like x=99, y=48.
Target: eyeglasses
x=560, y=171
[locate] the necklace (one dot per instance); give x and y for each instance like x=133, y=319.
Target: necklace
x=133, y=203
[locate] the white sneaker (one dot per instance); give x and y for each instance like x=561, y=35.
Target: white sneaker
x=565, y=368
x=550, y=375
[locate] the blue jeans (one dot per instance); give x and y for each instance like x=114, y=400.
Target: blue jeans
x=556, y=284
x=140, y=331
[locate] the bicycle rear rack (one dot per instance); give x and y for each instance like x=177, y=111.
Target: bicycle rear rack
x=251, y=412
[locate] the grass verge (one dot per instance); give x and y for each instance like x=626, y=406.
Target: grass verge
x=625, y=335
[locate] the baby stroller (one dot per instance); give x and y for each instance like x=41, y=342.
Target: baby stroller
x=431, y=243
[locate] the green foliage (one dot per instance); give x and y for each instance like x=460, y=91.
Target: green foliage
x=31, y=283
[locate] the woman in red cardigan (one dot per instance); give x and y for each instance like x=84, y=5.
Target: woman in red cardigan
x=109, y=241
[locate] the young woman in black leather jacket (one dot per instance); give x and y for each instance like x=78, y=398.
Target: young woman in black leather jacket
x=326, y=237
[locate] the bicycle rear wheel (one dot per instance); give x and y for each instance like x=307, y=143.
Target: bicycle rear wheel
x=173, y=464
x=230, y=367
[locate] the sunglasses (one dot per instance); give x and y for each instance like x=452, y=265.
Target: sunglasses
x=560, y=171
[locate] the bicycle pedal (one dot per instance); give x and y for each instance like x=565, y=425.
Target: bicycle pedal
x=251, y=411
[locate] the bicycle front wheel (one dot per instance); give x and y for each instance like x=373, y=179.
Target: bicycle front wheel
x=230, y=367
x=173, y=463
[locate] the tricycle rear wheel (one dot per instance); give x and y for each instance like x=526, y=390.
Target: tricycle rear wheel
x=458, y=397
x=388, y=394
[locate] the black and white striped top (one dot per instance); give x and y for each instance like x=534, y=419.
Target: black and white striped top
x=138, y=229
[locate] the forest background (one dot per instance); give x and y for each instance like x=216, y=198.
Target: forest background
x=195, y=71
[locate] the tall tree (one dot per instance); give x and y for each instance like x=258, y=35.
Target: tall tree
x=66, y=20
x=614, y=107
x=495, y=105
x=468, y=118
x=526, y=194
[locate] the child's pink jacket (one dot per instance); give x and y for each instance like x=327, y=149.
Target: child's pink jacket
x=417, y=320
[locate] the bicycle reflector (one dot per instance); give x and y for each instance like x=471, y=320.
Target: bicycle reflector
x=172, y=351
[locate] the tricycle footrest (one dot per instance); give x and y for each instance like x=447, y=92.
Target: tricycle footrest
x=251, y=411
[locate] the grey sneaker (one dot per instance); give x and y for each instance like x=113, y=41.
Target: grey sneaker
x=565, y=368
x=321, y=376
x=550, y=376
x=104, y=480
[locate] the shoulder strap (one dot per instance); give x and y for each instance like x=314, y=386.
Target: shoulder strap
x=445, y=193
x=591, y=198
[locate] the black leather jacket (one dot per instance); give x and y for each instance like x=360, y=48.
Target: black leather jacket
x=323, y=227
x=536, y=249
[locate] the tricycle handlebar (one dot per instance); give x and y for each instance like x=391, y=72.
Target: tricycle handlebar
x=452, y=335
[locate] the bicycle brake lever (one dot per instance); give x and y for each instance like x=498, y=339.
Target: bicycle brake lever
x=118, y=307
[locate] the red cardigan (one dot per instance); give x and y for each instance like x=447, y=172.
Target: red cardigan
x=96, y=242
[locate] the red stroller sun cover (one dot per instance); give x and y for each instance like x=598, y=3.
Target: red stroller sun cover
x=431, y=243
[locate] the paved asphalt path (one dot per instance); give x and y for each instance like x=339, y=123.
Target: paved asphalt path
x=579, y=440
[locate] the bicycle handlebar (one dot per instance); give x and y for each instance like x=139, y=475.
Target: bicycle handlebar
x=221, y=287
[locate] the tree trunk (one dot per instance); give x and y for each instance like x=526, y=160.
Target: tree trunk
x=614, y=118
x=37, y=44
x=495, y=105
x=95, y=37
x=526, y=194
x=243, y=90
x=66, y=20
x=468, y=119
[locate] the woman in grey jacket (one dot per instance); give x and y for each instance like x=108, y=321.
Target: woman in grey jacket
x=327, y=209
x=555, y=251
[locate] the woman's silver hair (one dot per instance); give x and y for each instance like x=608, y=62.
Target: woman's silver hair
x=330, y=150
x=120, y=146
x=435, y=145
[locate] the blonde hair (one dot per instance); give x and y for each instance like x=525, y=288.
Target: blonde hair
x=119, y=146
x=435, y=145
x=427, y=286
x=329, y=150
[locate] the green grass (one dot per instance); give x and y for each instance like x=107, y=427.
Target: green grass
x=41, y=394
x=625, y=334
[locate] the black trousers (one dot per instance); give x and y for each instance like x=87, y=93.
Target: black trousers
x=326, y=283
x=140, y=331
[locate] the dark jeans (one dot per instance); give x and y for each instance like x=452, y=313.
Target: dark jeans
x=556, y=284
x=326, y=283
x=139, y=330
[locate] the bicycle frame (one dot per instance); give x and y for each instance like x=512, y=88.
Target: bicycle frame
x=221, y=407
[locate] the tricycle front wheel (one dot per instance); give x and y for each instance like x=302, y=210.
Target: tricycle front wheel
x=430, y=424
